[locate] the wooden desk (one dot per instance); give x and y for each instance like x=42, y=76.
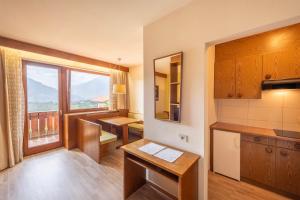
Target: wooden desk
x=184, y=171
x=121, y=122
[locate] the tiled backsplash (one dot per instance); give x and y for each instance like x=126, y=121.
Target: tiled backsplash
x=277, y=109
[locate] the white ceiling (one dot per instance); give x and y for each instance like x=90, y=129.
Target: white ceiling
x=101, y=29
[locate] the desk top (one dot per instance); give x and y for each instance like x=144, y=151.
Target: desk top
x=119, y=121
x=179, y=167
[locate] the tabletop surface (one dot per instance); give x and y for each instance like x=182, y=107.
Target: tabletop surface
x=119, y=121
x=179, y=167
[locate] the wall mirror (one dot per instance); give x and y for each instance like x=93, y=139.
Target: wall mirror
x=167, y=88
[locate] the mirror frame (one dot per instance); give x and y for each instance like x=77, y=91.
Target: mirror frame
x=181, y=81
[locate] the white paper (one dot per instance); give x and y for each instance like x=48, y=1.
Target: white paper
x=151, y=148
x=169, y=155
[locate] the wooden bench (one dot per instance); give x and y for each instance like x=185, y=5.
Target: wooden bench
x=93, y=141
x=138, y=127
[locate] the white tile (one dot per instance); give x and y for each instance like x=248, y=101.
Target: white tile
x=239, y=112
x=234, y=121
x=291, y=115
x=292, y=99
x=234, y=102
x=269, y=99
x=258, y=123
x=265, y=124
x=273, y=114
x=291, y=127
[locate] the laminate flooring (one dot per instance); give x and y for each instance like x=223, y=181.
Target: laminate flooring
x=69, y=175
x=223, y=188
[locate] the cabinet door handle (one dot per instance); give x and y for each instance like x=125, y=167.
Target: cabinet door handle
x=283, y=153
x=229, y=95
x=257, y=139
x=269, y=149
x=268, y=76
x=239, y=95
x=297, y=146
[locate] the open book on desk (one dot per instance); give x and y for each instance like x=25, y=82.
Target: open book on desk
x=162, y=152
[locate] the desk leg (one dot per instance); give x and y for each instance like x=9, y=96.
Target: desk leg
x=188, y=184
x=134, y=177
x=125, y=134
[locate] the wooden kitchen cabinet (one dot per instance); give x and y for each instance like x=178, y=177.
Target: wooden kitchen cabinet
x=225, y=79
x=258, y=162
x=281, y=65
x=248, y=77
x=239, y=78
x=288, y=170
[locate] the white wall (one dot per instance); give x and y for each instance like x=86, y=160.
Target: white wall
x=189, y=29
x=136, y=89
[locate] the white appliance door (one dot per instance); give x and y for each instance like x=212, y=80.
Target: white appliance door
x=227, y=153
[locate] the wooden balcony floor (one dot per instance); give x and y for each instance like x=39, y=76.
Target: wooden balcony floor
x=33, y=142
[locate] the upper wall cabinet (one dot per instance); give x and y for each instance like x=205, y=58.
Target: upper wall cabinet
x=225, y=79
x=238, y=78
x=241, y=65
x=248, y=77
x=281, y=65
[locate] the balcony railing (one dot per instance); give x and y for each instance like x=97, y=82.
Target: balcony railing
x=43, y=124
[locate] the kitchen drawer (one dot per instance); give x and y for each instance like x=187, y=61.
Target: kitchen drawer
x=288, y=144
x=256, y=139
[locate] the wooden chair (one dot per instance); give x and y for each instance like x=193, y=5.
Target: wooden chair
x=93, y=141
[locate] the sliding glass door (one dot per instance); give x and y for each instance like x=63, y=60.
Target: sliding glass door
x=43, y=127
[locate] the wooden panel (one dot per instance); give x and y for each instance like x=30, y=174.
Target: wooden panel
x=246, y=159
x=258, y=162
x=255, y=139
x=188, y=184
x=89, y=138
x=288, y=170
x=134, y=176
x=248, y=77
x=11, y=43
x=282, y=65
x=176, y=59
x=252, y=131
x=263, y=43
x=70, y=123
x=225, y=79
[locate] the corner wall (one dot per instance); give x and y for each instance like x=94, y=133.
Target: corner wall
x=136, y=87
x=190, y=29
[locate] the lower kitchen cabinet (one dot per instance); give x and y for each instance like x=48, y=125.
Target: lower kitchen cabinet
x=288, y=170
x=270, y=164
x=258, y=162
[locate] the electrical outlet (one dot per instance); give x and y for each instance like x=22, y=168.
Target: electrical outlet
x=184, y=138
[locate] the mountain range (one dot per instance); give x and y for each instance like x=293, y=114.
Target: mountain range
x=38, y=92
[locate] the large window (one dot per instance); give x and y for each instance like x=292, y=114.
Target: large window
x=88, y=90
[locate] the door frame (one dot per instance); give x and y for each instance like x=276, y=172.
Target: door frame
x=38, y=149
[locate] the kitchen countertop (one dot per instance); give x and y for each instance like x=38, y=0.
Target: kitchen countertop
x=249, y=130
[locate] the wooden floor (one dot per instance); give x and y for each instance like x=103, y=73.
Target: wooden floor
x=223, y=188
x=69, y=175
x=64, y=175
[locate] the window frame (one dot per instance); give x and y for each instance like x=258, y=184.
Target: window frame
x=69, y=77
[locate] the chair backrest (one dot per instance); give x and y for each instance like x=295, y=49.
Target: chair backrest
x=89, y=138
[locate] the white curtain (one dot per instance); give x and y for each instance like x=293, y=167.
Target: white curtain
x=118, y=101
x=12, y=108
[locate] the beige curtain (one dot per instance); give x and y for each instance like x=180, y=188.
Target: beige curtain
x=12, y=104
x=119, y=101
